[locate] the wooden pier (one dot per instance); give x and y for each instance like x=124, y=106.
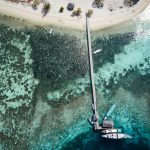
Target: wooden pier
x=95, y=114
x=107, y=125
x=91, y=64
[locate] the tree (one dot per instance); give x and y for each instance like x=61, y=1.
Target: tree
x=128, y=3
x=97, y=2
x=46, y=7
x=35, y=3
x=78, y=12
x=61, y=9
x=90, y=12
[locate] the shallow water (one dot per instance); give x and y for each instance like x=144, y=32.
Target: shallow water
x=45, y=88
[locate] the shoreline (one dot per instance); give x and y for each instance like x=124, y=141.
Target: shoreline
x=133, y=12
x=101, y=19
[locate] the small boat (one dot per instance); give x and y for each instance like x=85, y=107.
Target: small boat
x=116, y=136
x=51, y=30
x=97, y=51
x=111, y=131
x=110, y=111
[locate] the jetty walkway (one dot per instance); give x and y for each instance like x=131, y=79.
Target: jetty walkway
x=95, y=116
x=91, y=65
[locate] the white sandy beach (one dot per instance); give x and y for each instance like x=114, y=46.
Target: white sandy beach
x=101, y=18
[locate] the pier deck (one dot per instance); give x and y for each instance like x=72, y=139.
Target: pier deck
x=91, y=64
x=95, y=114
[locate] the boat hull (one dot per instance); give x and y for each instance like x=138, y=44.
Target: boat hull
x=116, y=136
x=111, y=131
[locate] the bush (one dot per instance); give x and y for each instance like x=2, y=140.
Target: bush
x=46, y=7
x=35, y=3
x=61, y=9
x=77, y=12
x=90, y=12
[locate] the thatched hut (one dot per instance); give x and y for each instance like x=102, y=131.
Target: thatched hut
x=70, y=6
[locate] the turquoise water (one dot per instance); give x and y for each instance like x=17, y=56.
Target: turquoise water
x=45, y=96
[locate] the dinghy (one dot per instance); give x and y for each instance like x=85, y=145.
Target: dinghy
x=51, y=30
x=97, y=51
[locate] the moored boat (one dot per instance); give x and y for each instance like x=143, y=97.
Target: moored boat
x=97, y=51
x=116, y=136
x=111, y=131
x=51, y=30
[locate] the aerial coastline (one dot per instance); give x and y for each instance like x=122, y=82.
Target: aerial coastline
x=59, y=81
x=112, y=13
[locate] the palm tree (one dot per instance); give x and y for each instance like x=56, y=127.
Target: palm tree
x=35, y=3
x=46, y=7
x=61, y=9
x=90, y=12
x=99, y=3
x=78, y=12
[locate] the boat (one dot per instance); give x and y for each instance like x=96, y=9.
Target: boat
x=116, y=136
x=97, y=51
x=51, y=30
x=111, y=131
x=110, y=111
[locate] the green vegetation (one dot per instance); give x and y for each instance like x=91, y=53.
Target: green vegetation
x=77, y=12
x=99, y=3
x=46, y=7
x=35, y=3
x=61, y=9
x=90, y=12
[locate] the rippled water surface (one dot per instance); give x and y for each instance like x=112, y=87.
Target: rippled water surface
x=45, y=96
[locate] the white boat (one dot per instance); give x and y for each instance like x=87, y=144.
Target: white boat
x=97, y=51
x=111, y=131
x=51, y=30
x=116, y=136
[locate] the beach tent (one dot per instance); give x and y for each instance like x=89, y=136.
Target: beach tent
x=70, y=6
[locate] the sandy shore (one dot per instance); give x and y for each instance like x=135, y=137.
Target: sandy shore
x=101, y=18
